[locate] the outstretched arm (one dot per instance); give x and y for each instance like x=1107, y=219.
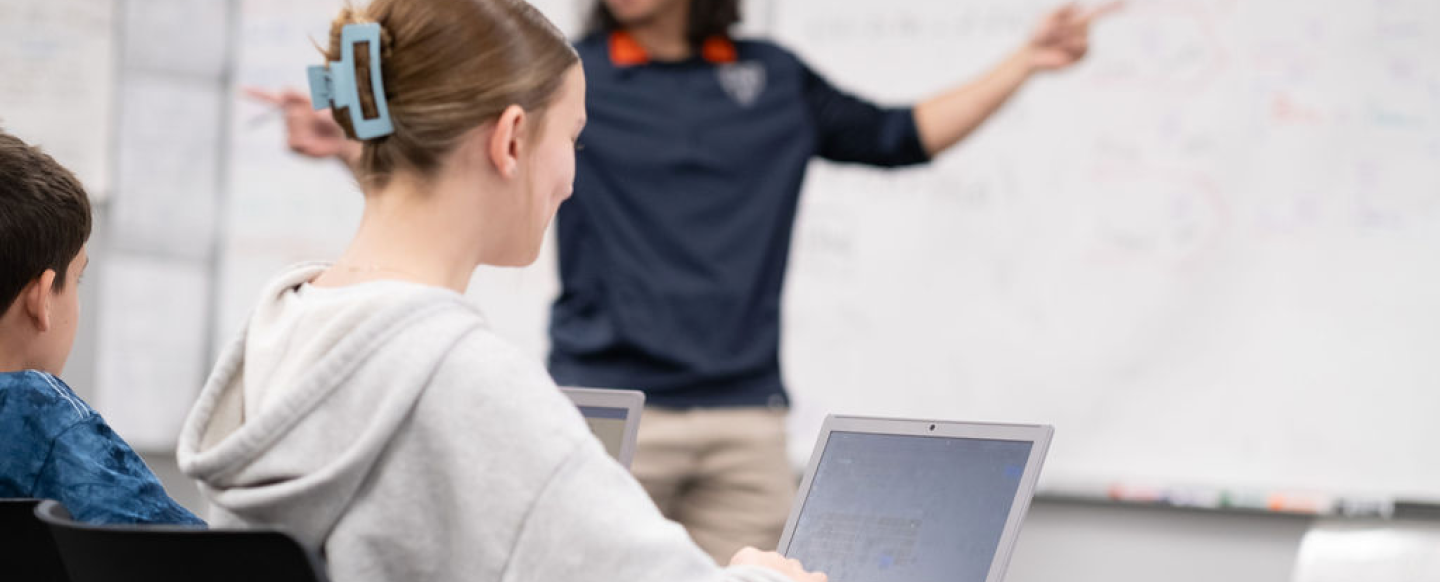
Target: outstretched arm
x=1060, y=41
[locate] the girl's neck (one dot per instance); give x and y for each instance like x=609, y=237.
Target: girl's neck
x=406, y=234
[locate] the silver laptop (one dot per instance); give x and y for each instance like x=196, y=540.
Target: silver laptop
x=614, y=417
x=889, y=500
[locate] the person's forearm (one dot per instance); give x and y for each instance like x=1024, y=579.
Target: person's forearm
x=947, y=118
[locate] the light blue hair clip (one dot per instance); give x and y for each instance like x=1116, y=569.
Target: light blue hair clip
x=335, y=85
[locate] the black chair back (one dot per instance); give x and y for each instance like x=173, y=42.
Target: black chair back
x=26, y=550
x=176, y=554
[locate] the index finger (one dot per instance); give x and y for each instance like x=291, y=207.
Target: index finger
x=283, y=99
x=258, y=94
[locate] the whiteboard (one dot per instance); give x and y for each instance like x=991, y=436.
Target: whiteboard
x=1208, y=255
x=59, y=75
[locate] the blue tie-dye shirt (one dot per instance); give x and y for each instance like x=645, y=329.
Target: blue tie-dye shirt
x=54, y=446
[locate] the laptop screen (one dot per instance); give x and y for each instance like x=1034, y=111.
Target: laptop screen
x=608, y=424
x=884, y=507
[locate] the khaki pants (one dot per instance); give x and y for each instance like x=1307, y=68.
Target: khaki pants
x=723, y=473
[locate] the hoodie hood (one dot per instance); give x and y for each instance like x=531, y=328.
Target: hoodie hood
x=302, y=405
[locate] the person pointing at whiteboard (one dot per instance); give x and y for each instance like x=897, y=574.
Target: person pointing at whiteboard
x=673, y=250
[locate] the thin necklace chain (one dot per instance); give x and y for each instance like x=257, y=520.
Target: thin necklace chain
x=372, y=269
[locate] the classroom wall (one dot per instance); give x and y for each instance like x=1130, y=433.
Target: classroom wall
x=154, y=306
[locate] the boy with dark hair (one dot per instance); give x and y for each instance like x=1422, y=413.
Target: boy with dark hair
x=52, y=444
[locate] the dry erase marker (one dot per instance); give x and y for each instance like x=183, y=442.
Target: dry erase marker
x=1299, y=503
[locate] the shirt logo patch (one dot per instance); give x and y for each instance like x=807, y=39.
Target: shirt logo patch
x=744, y=82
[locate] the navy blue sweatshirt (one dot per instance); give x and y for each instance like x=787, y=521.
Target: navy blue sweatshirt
x=673, y=249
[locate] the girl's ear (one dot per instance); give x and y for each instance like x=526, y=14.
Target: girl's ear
x=507, y=141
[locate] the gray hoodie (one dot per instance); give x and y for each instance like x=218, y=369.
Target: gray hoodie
x=386, y=425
